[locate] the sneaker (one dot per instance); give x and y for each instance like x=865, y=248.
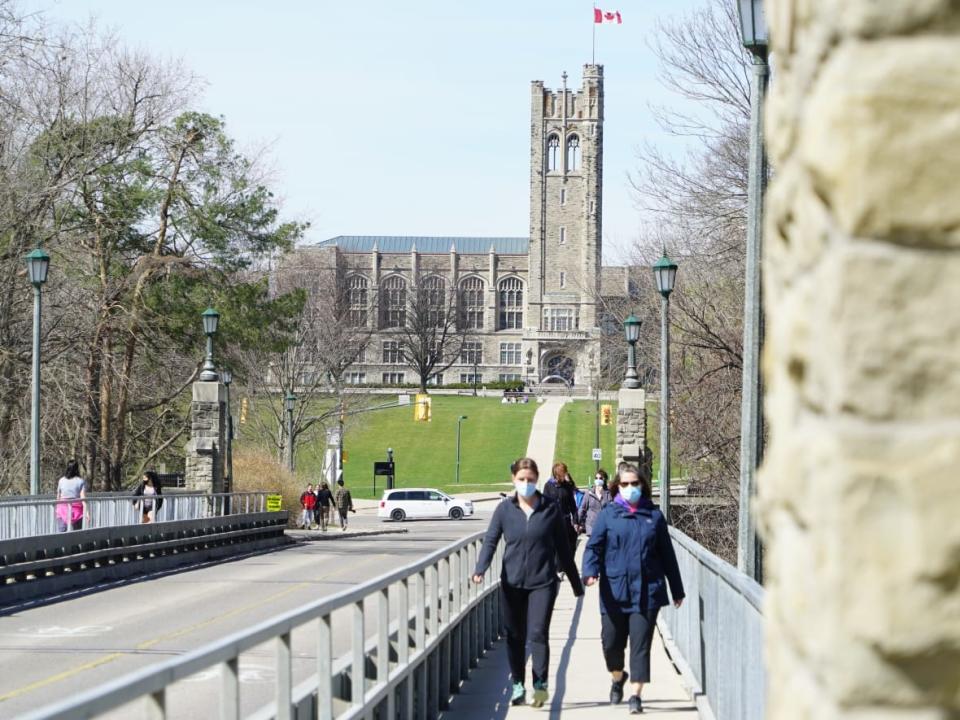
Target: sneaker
x=540, y=694
x=616, y=689
x=636, y=706
x=519, y=696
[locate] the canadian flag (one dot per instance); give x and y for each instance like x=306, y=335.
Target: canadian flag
x=602, y=16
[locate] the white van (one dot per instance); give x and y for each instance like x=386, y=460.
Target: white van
x=415, y=503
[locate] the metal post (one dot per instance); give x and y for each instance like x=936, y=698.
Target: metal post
x=290, y=439
x=340, y=441
x=596, y=408
x=665, y=407
x=228, y=485
x=459, y=421
x=751, y=415
x=474, y=374
x=631, y=380
x=35, y=404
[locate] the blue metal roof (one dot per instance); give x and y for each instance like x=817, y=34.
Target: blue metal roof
x=429, y=245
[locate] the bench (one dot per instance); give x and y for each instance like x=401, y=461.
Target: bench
x=511, y=396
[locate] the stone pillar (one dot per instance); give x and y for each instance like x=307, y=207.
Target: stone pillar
x=208, y=438
x=632, y=430
x=859, y=491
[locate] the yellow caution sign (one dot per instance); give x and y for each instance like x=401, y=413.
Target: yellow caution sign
x=274, y=502
x=606, y=414
x=344, y=456
x=243, y=411
x=422, y=408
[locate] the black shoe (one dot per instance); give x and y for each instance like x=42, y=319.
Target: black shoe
x=616, y=689
x=636, y=706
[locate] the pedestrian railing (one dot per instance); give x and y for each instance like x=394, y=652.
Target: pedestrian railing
x=716, y=636
x=396, y=646
x=31, y=516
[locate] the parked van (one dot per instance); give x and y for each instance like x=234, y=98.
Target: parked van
x=416, y=503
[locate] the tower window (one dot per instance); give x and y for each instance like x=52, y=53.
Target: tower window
x=563, y=235
x=553, y=153
x=573, y=153
x=511, y=304
x=563, y=279
x=357, y=300
x=563, y=196
x=393, y=302
x=471, y=303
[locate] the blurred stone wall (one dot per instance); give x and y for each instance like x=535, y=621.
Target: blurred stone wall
x=860, y=490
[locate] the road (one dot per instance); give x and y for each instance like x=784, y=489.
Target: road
x=61, y=648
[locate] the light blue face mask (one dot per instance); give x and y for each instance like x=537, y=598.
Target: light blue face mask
x=525, y=489
x=630, y=493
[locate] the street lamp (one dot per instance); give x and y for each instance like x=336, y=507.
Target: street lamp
x=390, y=460
x=459, y=420
x=289, y=402
x=631, y=330
x=665, y=273
x=226, y=375
x=211, y=319
x=38, y=264
x=474, y=374
x=753, y=27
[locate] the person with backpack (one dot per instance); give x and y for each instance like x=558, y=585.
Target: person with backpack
x=307, y=501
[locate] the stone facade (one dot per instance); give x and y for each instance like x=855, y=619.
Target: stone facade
x=556, y=269
x=208, y=438
x=632, y=430
x=859, y=493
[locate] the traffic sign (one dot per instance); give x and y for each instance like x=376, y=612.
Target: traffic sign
x=597, y=454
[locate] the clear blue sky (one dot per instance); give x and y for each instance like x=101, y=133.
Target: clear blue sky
x=404, y=118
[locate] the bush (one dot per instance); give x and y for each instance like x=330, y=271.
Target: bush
x=256, y=470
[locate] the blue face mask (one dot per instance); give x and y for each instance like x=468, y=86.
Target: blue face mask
x=525, y=489
x=630, y=493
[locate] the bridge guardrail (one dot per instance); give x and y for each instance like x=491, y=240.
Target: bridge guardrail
x=716, y=636
x=443, y=624
x=33, y=516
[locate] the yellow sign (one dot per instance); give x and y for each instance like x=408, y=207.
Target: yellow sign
x=422, y=408
x=274, y=502
x=243, y=411
x=344, y=456
x=606, y=414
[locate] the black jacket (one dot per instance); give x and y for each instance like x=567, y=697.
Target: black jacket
x=324, y=498
x=533, y=546
x=563, y=493
x=158, y=498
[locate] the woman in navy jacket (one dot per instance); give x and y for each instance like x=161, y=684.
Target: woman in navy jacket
x=631, y=554
x=533, y=529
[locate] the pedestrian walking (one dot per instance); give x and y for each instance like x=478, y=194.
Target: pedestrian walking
x=344, y=502
x=324, y=505
x=307, y=501
x=534, y=531
x=72, y=487
x=593, y=502
x=150, y=500
x=631, y=554
x=561, y=488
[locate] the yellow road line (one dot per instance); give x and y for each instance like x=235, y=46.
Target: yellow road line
x=36, y=685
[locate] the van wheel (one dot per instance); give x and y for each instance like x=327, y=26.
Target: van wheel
x=398, y=515
x=456, y=513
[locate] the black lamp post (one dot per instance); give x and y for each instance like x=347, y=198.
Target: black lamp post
x=211, y=319
x=226, y=375
x=459, y=420
x=753, y=27
x=289, y=403
x=631, y=330
x=38, y=265
x=665, y=273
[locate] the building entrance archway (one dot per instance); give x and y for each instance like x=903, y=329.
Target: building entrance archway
x=558, y=368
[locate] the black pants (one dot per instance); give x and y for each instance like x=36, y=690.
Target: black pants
x=615, y=628
x=528, y=614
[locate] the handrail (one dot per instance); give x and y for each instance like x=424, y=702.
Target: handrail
x=433, y=603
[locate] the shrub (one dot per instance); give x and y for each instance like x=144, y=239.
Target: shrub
x=254, y=470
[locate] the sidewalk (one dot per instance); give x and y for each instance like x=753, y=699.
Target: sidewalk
x=579, y=683
x=543, y=435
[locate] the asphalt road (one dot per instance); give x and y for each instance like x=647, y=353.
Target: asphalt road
x=51, y=651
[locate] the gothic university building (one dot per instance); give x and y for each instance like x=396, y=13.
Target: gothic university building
x=532, y=303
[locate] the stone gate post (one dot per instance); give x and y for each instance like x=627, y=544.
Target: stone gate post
x=206, y=449
x=632, y=430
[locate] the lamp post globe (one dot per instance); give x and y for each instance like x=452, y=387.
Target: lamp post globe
x=38, y=265
x=665, y=273
x=753, y=26
x=631, y=331
x=211, y=320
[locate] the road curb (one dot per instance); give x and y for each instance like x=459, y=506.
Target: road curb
x=318, y=536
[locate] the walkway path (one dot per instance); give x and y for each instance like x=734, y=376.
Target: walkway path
x=543, y=434
x=579, y=682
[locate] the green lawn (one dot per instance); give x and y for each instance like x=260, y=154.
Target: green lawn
x=493, y=436
x=576, y=438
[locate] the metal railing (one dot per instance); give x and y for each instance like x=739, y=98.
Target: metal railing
x=32, y=516
x=407, y=667
x=716, y=637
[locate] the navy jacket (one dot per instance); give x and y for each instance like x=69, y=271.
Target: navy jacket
x=632, y=554
x=532, y=547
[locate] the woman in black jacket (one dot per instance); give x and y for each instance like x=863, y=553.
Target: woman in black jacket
x=150, y=494
x=631, y=554
x=535, y=538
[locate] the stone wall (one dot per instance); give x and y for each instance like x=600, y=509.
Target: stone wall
x=859, y=493
x=632, y=430
x=207, y=444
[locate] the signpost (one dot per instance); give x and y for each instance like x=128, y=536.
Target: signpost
x=382, y=468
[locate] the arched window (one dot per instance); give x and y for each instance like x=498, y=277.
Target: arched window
x=393, y=302
x=553, y=153
x=357, y=300
x=433, y=289
x=511, y=303
x=471, y=303
x=573, y=153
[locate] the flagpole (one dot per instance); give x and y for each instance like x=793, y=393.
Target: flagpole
x=593, y=49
